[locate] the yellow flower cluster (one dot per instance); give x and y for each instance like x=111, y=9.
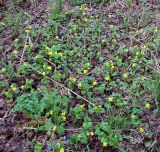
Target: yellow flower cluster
x=110, y=99
x=64, y=116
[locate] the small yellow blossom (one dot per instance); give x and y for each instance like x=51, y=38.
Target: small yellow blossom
x=51, y=112
x=56, y=52
x=156, y=30
x=91, y=133
x=39, y=143
x=109, y=15
x=22, y=87
x=141, y=130
x=88, y=64
x=26, y=46
x=83, y=13
x=72, y=79
x=85, y=71
x=81, y=8
x=94, y=83
x=79, y=85
x=107, y=78
x=86, y=8
x=134, y=65
x=82, y=105
x=112, y=67
x=148, y=105
x=144, y=46
x=60, y=54
x=105, y=144
x=133, y=116
x=43, y=73
x=110, y=99
x=61, y=150
x=64, y=116
x=111, y=26
x=125, y=75
x=14, y=89
x=85, y=19
x=99, y=106
x=15, y=52
x=56, y=37
x=49, y=68
x=54, y=128
x=27, y=31
x=47, y=48
x=44, y=66
x=16, y=40
x=50, y=53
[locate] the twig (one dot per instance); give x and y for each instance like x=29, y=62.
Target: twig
x=61, y=85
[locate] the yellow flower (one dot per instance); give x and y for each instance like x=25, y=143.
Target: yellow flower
x=47, y=48
x=16, y=40
x=26, y=46
x=148, y=105
x=85, y=19
x=15, y=52
x=86, y=8
x=50, y=53
x=63, y=113
x=72, y=79
x=134, y=65
x=14, y=89
x=85, y=71
x=51, y=112
x=110, y=99
x=125, y=75
x=55, y=52
x=54, y=128
x=156, y=30
x=91, y=133
x=22, y=87
x=60, y=54
x=112, y=67
x=49, y=68
x=83, y=13
x=144, y=46
x=81, y=8
x=105, y=144
x=107, y=78
x=79, y=85
x=27, y=31
x=44, y=66
x=39, y=143
x=82, y=105
x=141, y=130
x=109, y=15
x=88, y=64
x=111, y=26
x=61, y=150
x=64, y=116
x=94, y=83
x=133, y=116
x=99, y=106
x=43, y=73
x=57, y=37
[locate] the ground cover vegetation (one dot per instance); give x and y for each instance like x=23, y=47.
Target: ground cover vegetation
x=85, y=76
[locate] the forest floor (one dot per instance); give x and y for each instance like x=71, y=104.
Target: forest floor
x=80, y=77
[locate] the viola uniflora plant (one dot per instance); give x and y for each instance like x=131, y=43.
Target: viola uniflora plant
x=88, y=79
